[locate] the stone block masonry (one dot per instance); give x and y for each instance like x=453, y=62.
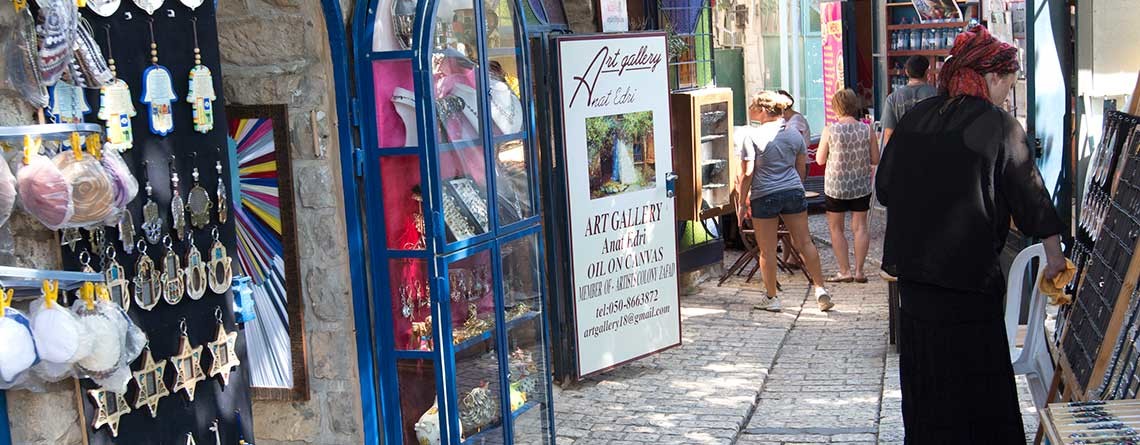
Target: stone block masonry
x=277, y=52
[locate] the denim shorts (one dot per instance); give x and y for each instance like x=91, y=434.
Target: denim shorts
x=786, y=202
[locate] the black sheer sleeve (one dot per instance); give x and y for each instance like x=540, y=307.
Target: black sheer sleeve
x=1020, y=184
x=883, y=173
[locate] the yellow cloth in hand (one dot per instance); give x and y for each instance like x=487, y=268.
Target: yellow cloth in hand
x=1055, y=288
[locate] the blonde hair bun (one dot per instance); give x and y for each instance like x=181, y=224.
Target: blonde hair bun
x=770, y=101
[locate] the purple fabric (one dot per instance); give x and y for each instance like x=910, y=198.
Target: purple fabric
x=682, y=14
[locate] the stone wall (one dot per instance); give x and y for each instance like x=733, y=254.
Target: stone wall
x=276, y=52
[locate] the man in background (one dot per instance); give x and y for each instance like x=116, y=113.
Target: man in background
x=903, y=99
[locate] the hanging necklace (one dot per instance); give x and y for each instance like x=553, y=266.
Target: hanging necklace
x=200, y=94
x=152, y=220
x=198, y=203
x=177, y=206
x=222, y=198
x=158, y=90
x=116, y=107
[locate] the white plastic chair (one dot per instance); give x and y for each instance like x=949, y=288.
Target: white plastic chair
x=1032, y=358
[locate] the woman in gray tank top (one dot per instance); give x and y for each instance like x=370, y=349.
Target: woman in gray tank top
x=849, y=151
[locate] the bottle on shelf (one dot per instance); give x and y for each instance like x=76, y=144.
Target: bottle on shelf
x=916, y=40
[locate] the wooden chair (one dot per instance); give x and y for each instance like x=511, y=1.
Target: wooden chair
x=752, y=255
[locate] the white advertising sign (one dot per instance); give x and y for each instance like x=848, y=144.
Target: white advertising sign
x=615, y=108
x=615, y=16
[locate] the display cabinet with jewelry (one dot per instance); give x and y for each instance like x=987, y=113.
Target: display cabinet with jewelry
x=473, y=326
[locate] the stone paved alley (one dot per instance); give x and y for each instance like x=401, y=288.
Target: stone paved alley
x=751, y=377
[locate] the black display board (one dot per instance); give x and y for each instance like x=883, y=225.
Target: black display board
x=1110, y=223
x=129, y=29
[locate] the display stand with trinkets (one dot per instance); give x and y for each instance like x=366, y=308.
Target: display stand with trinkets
x=160, y=82
x=1095, y=351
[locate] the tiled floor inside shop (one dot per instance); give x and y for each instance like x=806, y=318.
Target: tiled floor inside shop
x=745, y=376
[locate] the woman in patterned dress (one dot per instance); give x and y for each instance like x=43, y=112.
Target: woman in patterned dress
x=850, y=151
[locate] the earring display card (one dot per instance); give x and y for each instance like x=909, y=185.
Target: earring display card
x=179, y=152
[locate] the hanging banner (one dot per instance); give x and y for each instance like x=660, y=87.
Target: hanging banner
x=615, y=108
x=615, y=16
x=831, y=16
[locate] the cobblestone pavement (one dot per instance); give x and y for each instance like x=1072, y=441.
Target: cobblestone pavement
x=751, y=377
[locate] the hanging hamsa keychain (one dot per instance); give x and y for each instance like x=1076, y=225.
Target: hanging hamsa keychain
x=152, y=221
x=221, y=273
x=68, y=105
x=223, y=209
x=127, y=231
x=196, y=277
x=158, y=91
x=173, y=281
x=115, y=276
x=177, y=205
x=198, y=202
x=148, y=282
x=116, y=107
x=149, y=5
x=200, y=93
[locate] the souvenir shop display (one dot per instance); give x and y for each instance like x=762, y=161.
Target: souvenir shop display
x=1092, y=422
x=458, y=259
x=130, y=321
x=1096, y=345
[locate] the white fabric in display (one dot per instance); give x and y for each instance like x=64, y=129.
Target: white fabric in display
x=405, y=104
x=17, y=349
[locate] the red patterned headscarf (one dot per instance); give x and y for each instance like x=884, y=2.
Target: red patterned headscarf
x=975, y=54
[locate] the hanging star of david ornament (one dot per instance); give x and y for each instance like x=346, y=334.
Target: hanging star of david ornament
x=109, y=407
x=69, y=237
x=222, y=349
x=187, y=365
x=190, y=439
x=152, y=386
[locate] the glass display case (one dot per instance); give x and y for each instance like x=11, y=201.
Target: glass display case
x=447, y=153
x=704, y=154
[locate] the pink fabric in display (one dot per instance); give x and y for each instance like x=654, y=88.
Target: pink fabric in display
x=386, y=77
x=45, y=192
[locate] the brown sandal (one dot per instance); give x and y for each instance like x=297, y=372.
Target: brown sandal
x=839, y=279
x=861, y=280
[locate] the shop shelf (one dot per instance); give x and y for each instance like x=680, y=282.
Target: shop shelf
x=450, y=146
x=391, y=55
x=927, y=26
x=508, y=137
x=479, y=339
x=474, y=438
x=713, y=137
x=925, y=52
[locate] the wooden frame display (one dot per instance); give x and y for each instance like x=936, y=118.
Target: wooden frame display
x=264, y=213
x=704, y=154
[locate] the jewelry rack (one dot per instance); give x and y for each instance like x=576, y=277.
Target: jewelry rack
x=26, y=282
x=46, y=131
x=1092, y=352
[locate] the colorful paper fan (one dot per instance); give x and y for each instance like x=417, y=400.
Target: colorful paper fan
x=260, y=251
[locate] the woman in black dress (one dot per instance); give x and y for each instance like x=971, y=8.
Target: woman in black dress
x=956, y=170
